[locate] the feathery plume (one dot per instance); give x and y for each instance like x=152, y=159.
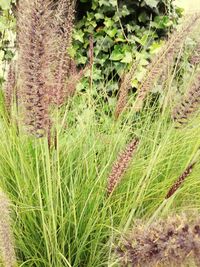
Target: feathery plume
x=34, y=42
x=123, y=91
x=64, y=19
x=195, y=58
x=10, y=87
x=180, y=180
x=189, y=104
x=7, y=253
x=171, y=242
x=120, y=166
x=166, y=55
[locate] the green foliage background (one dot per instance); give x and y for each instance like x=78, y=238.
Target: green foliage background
x=122, y=31
x=7, y=34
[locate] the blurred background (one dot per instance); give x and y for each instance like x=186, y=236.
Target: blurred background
x=189, y=5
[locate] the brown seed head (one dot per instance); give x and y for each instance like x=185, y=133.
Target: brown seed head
x=10, y=87
x=189, y=104
x=34, y=40
x=174, y=241
x=164, y=58
x=62, y=26
x=7, y=252
x=195, y=58
x=121, y=166
x=180, y=180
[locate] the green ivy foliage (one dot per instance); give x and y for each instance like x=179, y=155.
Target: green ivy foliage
x=7, y=34
x=122, y=32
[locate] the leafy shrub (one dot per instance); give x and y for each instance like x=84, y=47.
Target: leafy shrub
x=7, y=26
x=122, y=31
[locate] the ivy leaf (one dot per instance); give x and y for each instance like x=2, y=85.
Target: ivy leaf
x=99, y=16
x=78, y=36
x=5, y=4
x=108, y=22
x=143, y=17
x=143, y=40
x=161, y=22
x=140, y=73
x=108, y=3
x=124, y=12
x=72, y=51
x=152, y=3
x=104, y=3
x=142, y=21
x=81, y=59
x=112, y=32
x=155, y=47
x=128, y=57
x=117, y=53
x=113, y=3
x=102, y=60
x=3, y=24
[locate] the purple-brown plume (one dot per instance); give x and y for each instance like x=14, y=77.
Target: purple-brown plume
x=62, y=27
x=180, y=180
x=174, y=241
x=7, y=253
x=164, y=58
x=10, y=87
x=34, y=41
x=121, y=165
x=195, y=58
x=189, y=104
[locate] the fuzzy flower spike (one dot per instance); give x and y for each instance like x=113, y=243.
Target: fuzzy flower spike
x=7, y=253
x=121, y=165
x=174, y=241
x=34, y=41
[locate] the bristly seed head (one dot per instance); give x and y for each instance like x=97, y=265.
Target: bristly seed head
x=62, y=28
x=7, y=253
x=180, y=180
x=195, y=58
x=10, y=87
x=189, y=104
x=34, y=39
x=121, y=166
x=164, y=58
x=44, y=35
x=174, y=241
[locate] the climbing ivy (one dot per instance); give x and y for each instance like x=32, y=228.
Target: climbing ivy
x=122, y=31
x=7, y=34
